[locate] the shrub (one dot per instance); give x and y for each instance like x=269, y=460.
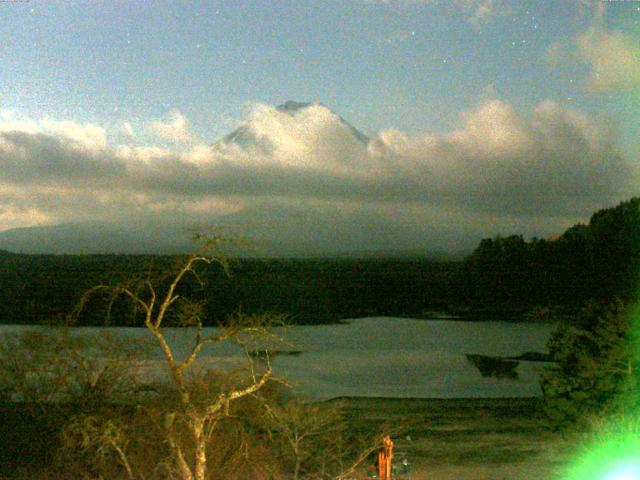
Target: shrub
x=596, y=369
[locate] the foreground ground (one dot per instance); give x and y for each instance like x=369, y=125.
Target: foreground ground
x=497, y=439
x=465, y=439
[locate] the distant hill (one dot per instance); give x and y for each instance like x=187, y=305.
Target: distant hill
x=104, y=238
x=93, y=238
x=598, y=261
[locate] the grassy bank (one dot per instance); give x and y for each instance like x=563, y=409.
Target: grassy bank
x=457, y=439
x=452, y=439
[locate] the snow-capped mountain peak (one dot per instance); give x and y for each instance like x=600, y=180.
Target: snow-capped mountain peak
x=300, y=116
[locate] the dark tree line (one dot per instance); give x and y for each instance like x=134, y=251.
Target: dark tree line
x=599, y=261
x=40, y=288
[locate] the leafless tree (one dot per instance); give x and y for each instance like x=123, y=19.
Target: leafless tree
x=48, y=366
x=198, y=414
x=100, y=438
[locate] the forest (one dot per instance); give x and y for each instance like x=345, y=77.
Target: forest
x=504, y=276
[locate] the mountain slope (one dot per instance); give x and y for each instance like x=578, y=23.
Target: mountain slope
x=245, y=135
x=91, y=238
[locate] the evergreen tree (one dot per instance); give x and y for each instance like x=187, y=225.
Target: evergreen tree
x=597, y=365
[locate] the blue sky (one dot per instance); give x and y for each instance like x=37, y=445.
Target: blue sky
x=418, y=66
x=408, y=65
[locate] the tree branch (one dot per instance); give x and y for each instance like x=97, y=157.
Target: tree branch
x=170, y=297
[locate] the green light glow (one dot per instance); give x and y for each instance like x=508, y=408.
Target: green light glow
x=614, y=457
x=624, y=472
x=613, y=453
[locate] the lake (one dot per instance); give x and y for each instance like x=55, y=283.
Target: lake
x=378, y=357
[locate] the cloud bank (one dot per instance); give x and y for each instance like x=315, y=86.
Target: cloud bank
x=613, y=57
x=174, y=128
x=305, y=182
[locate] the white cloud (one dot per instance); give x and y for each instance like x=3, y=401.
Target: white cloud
x=18, y=210
x=313, y=137
x=500, y=169
x=128, y=131
x=494, y=129
x=200, y=155
x=174, y=127
x=552, y=161
x=89, y=136
x=614, y=59
x=144, y=154
x=11, y=121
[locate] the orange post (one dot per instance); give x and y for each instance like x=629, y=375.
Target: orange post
x=385, y=456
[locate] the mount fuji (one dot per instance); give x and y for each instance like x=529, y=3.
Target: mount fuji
x=281, y=227
x=245, y=134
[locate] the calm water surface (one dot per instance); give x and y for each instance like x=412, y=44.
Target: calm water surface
x=389, y=357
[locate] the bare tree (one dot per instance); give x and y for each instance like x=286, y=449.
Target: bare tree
x=99, y=437
x=317, y=441
x=189, y=429
x=198, y=414
x=53, y=365
x=306, y=431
